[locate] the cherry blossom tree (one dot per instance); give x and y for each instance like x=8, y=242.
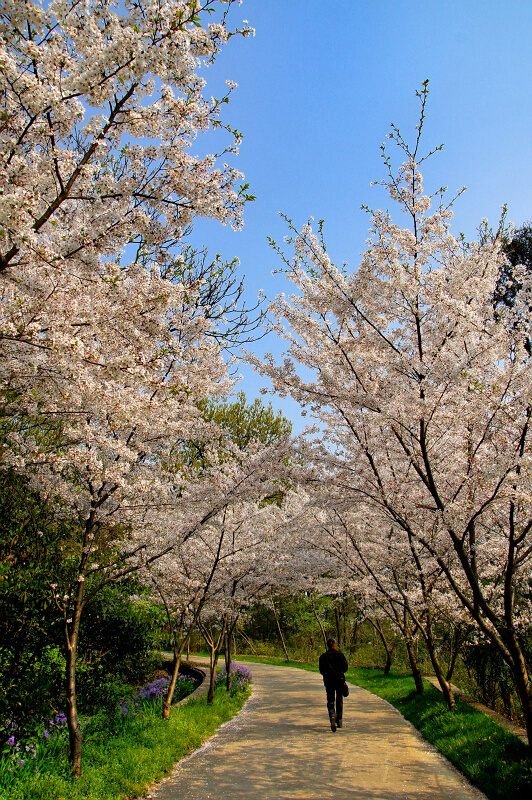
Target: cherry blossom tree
x=111, y=328
x=183, y=581
x=254, y=532
x=397, y=580
x=424, y=396
x=214, y=570
x=92, y=216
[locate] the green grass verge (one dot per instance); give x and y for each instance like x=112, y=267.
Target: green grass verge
x=494, y=760
x=122, y=763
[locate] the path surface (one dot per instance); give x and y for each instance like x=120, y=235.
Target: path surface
x=281, y=747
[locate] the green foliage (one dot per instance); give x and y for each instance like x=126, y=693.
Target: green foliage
x=301, y=629
x=32, y=540
x=259, y=627
x=491, y=680
x=240, y=424
x=38, y=549
x=118, y=642
x=517, y=248
x=247, y=422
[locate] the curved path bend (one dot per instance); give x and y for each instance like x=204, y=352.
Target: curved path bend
x=280, y=747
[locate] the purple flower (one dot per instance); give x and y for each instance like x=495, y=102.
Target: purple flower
x=240, y=677
x=11, y=741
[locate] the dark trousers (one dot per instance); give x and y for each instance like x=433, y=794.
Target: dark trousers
x=334, y=693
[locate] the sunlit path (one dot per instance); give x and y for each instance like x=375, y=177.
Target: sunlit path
x=281, y=748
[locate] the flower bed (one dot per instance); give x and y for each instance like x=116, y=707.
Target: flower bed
x=155, y=692
x=29, y=752
x=240, y=678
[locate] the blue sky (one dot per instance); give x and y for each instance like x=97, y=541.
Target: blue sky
x=319, y=85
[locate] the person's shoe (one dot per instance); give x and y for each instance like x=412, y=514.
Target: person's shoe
x=339, y=722
x=333, y=723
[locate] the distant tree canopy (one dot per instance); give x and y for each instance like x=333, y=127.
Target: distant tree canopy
x=518, y=249
x=247, y=422
x=240, y=424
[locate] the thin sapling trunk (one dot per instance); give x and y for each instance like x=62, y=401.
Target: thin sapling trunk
x=280, y=631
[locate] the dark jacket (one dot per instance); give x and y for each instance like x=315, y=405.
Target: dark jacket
x=332, y=665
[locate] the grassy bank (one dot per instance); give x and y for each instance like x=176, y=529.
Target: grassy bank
x=122, y=757
x=495, y=761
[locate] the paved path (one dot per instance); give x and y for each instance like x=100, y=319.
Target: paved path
x=281, y=747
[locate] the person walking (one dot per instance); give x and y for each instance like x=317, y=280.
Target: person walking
x=333, y=666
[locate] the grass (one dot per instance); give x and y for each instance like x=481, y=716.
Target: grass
x=123, y=759
x=494, y=760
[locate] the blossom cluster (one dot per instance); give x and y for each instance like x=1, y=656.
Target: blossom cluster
x=100, y=328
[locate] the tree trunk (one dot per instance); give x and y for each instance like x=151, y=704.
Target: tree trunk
x=522, y=682
x=428, y=635
x=318, y=620
x=355, y=637
x=211, y=647
x=213, y=662
x=507, y=700
x=388, y=650
x=504, y=638
x=178, y=651
x=403, y=623
x=179, y=647
x=248, y=641
x=454, y=650
x=215, y=648
x=388, y=662
x=416, y=672
x=74, y=727
x=338, y=627
x=280, y=631
x=402, y=620
x=444, y=684
x=212, y=678
x=228, y=658
x=230, y=649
